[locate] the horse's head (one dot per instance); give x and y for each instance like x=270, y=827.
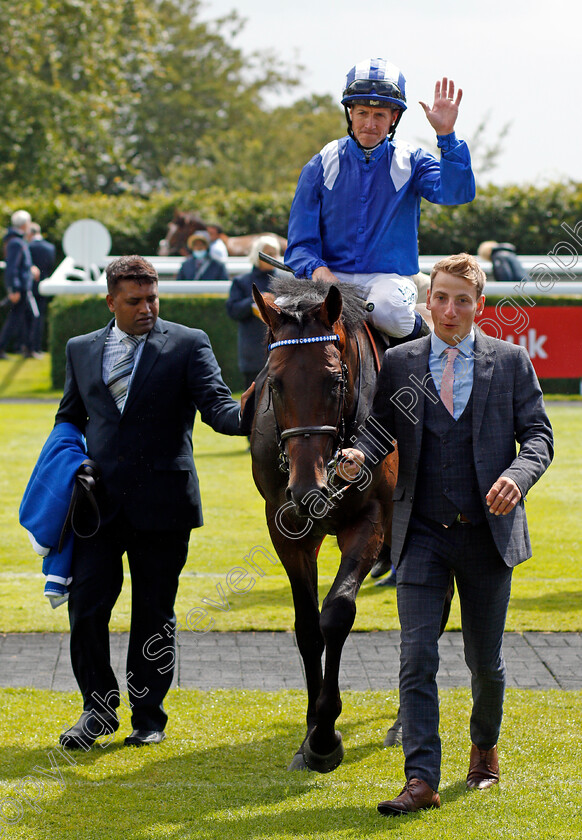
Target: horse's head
x=307, y=383
x=179, y=230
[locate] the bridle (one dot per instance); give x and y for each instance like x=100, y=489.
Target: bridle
x=337, y=432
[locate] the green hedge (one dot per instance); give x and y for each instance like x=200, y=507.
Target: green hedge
x=529, y=217
x=71, y=316
x=137, y=223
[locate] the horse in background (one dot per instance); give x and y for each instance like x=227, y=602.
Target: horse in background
x=184, y=224
x=321, y=376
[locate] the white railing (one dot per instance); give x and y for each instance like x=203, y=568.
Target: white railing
x=68, y=279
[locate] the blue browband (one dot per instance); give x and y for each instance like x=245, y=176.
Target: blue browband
x=313, y=340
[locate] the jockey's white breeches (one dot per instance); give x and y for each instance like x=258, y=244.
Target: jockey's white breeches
x=394, y=297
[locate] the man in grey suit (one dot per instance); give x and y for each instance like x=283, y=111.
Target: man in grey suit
x=133, y=388
x=458, y=506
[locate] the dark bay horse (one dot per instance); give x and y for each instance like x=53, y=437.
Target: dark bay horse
x=184, y=224
x=319, y=389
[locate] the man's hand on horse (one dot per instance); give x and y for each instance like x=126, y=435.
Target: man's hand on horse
x=245, y=396
x=503, y=496
x=323, y=273
x=445, y=109
x=350, y=464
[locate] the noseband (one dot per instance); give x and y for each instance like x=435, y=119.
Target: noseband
x=337, y=431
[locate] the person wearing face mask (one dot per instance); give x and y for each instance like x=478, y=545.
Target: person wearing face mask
x=252, y=332
x=201, y=266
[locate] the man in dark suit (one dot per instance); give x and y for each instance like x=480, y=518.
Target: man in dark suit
x=458, y=507
x=136, y=408
x=19, y=274
x=44, y=257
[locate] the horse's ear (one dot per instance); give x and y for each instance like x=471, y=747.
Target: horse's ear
x=270, y=312
x=331, y=308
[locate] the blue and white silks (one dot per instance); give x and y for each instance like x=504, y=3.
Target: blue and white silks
x=45, y=504
x=358, y=213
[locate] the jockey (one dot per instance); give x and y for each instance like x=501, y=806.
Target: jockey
x=356, y=209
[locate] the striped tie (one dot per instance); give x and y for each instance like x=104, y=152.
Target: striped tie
x=121, y=372
x=448, y=379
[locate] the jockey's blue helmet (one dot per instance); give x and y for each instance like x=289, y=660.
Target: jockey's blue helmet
x=375, y=82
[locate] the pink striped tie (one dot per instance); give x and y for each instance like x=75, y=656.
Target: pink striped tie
x=448, y=379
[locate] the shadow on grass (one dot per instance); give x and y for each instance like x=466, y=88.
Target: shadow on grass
x=202, y=455
x=239, y=790
x=549, y=602
x=258, y=597
x=11, y=370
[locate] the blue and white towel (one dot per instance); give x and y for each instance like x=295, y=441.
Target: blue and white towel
x=45, y=504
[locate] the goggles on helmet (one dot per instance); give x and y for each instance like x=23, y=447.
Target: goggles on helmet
x=379, y=86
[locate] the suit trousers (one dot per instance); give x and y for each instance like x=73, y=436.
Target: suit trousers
x=431, y=552
x=155, y=559
x=18, y=327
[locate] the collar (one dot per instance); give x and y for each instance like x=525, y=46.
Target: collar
x=120, y=335
x=373, y=154
x=466, y=346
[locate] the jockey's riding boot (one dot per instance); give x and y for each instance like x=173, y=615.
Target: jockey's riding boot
x=420, y=328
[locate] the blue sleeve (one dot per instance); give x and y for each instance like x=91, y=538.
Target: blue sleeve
x=14, y=257
x=303, y=252
x=182, y=272
x=450, y=181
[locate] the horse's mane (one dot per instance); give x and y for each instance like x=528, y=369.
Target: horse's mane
x=296, y=297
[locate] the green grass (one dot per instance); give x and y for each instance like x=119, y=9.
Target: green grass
x=221, y=772
x=26, y=378
x=547, y=590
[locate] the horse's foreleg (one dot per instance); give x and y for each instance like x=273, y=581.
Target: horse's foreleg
x=359, y=545
x=299, y=560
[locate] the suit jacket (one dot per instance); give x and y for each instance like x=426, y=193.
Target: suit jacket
x=507, y=408
x=44, y=256
x=145, y=453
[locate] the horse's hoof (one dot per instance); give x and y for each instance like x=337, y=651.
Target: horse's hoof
x=298, y=762
x=324, y=763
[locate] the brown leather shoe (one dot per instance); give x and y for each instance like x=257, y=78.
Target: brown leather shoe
x=415, y=796
x=483, y=768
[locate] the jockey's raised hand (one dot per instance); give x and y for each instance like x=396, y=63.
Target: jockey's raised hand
x=445, y=109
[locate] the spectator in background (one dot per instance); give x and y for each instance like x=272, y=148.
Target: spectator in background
x=44, y=257
x=218, y=249
x=506, y=266
x=252, y=350
x=201, y=265
x=18, y=278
